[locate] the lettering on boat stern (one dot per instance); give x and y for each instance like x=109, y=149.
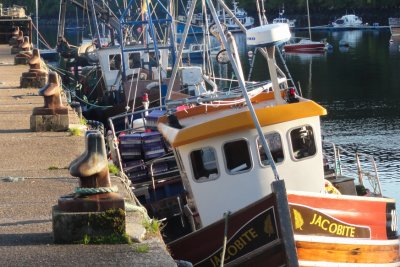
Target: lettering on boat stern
x=257, y=232
x=308, y=221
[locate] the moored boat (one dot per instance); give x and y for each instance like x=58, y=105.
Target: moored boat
x=348, y=21
x=282, y=19
x=305, y=46
x=237, y=208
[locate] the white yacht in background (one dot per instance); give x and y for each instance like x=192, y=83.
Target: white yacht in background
x=348, y=20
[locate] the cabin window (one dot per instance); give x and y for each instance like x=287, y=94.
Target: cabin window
x=275, y=146
x=115, y=62
x=303, y=142
x=134, y=60
x=204, y=164
x=237, y=156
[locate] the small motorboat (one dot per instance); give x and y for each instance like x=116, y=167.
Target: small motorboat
x=348, y=21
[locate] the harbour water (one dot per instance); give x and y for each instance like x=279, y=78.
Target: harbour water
x=359, y=87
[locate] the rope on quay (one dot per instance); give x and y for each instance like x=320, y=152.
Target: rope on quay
x=98, y=190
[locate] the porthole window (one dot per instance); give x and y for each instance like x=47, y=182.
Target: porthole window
x=303, y=142
x=275, y=146
x=237, y=156
x=115, y=62
x=204, y=164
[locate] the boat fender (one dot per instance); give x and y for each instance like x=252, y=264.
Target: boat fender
x=330, y=188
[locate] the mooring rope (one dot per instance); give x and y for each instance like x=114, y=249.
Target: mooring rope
x=98, y=190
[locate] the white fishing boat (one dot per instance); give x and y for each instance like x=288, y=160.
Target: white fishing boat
x=282, y=19
x=237, y=12
x=253, y=187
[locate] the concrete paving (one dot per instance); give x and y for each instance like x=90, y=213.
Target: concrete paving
x=34, y=174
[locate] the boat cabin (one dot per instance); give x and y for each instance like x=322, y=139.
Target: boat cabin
x=223, y=164
x=136, y=61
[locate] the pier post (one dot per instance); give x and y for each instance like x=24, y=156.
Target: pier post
x=95, y=210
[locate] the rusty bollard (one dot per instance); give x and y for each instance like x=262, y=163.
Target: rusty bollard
x=53, y=116
x=17, y=46
x=14, y=35
x=25, y=54
x=37, y=74
x=95, y=209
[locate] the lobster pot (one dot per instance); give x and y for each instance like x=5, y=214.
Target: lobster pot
x=136, y=170
x=153, y=145
x=131, y=146
x=152, y=118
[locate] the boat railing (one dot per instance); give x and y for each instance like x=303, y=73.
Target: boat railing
x=346, y=163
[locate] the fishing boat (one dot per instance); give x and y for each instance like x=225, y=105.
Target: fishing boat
x=253, y=187
x=282, y=19
x=348, y=21
x=227, y=16
x=237, y=14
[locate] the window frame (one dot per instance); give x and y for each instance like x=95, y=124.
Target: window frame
x=229, y=172
x=257, y=140
x=291, y=144
x=203, y=179
x=112, y=57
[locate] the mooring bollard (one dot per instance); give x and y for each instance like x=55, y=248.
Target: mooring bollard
x=95, y=209
x=37, y=74
x=53, y=116
x=13, y=40
x=25, y=54
x=19, y=40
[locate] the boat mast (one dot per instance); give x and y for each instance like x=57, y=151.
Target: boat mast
x=180, y=50
x=37, y=24
x=308, y=19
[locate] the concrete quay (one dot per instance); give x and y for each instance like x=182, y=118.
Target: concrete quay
x=34, y=174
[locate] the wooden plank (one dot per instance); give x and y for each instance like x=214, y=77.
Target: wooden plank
x=347, y=253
